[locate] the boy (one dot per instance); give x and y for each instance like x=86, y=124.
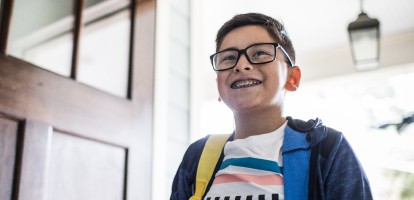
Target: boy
x=269, y=156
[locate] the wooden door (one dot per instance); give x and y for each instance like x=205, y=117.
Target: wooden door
x=61, y=139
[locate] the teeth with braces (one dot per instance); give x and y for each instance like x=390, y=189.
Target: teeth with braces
x=246, y=83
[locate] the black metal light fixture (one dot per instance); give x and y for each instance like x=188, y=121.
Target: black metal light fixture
x=364, y=35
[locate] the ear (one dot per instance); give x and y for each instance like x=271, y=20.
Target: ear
x=293, y=79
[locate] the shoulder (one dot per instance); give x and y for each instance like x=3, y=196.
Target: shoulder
x=303, y=126
x=191, y=156
x=193, y=152
x=317, y=132
x=342, y=167
x=196, y=148
x=186, y=173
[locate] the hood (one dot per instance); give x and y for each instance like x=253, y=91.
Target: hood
x=314, y=129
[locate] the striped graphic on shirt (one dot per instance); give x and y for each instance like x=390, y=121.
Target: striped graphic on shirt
x=250, y=197
x=253, y=163
x=260, y=172
x=272, y=179
x=251, y=169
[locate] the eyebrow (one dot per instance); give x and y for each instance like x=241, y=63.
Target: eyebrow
x=234, y=48
x=229, y=48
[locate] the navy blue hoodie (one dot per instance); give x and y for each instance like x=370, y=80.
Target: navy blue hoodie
x=318, y=163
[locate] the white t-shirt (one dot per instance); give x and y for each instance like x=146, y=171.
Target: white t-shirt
x=251, y=169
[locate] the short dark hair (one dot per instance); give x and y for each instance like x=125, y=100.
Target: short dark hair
x=274, y=28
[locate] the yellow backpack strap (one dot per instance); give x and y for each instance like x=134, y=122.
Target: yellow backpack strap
x=207, y=163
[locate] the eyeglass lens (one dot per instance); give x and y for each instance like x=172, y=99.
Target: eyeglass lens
x=256, y=54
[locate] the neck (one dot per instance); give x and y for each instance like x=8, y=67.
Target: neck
x=258, y=122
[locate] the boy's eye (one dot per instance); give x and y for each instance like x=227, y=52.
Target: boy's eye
x=260, y=53
x=227, y=56
x=260, y=56
x=231, y=57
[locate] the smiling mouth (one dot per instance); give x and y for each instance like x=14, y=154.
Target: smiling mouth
x=245, y=83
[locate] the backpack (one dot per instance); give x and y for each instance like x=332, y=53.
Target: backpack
x=207, y=163
x=215, y=144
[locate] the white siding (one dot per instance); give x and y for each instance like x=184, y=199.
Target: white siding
x=173, y=89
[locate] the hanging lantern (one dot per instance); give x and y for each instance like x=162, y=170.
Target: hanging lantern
x=364, y=35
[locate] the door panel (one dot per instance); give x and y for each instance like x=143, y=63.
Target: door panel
x=62, y=139
x=8, y=140
x=84, y=169
x=33, y=166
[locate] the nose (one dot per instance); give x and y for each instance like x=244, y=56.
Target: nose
x=243, y=64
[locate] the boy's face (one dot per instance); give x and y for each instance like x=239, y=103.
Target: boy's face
x=263, y=84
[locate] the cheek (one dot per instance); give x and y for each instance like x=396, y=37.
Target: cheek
x=220, y=86
x=282, y=74
x=221, y=83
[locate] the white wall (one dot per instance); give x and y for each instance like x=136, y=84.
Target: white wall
x=172, y=93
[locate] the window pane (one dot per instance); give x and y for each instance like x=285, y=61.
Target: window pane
x=41, y=33
x=104, y=48
x=91, y=3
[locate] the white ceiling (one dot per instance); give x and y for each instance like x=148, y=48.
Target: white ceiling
x=316, y=24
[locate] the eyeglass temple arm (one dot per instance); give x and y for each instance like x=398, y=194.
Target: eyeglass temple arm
x=287, y=55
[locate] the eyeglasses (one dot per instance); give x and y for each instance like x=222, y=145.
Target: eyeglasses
x=260, y=53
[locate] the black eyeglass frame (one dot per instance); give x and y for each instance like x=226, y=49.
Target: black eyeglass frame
x=243, y=51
